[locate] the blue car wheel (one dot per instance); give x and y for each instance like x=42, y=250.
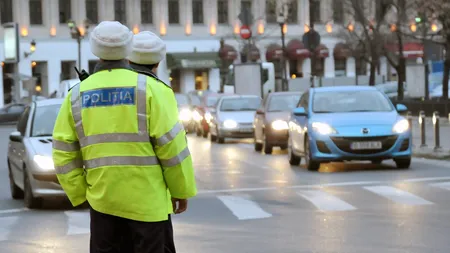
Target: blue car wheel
x=310, y=164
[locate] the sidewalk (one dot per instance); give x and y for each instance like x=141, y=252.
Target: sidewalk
x=429, y=150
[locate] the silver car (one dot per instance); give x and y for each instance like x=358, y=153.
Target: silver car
x=233, y=117
x=30, y=165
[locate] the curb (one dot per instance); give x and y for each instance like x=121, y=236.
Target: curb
x=431, y=153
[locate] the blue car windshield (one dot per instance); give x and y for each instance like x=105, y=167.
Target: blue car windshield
x=350, y=101
x=282, y=103
x=240, y=104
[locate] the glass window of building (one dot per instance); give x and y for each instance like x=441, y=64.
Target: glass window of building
x=292, y=17
x=315, y=11
x=35, y=12
x=271, y=11
x=174, y=11
x=146, y=11
x=247, y=4
x=6, y=11
x=222, y=11
x=120, y=11
x=64, y=11
x=92, y=11
x=338, y=12
x=197, y=11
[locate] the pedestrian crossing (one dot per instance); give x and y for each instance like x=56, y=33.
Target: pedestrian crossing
x=255, y=206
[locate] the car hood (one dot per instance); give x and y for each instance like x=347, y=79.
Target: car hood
x=272, y=116
x=239, y=116
x=357, y=118
x=42, y=145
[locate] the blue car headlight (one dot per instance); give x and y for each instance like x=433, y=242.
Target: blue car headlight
x=401, y=126
x=323, y=128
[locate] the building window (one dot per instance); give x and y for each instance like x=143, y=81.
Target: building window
x=35, y=12
x=314, y=11
x=340, y=66
x=174, y=12
x=6, y=11
x=222, y=11
x=338, y=11
x=146, y=11
x=197, y=11
x=64, y=11
x=120, y=11
x=92, y=11
x=292, y=17
x=246, y=4
x=271, y=11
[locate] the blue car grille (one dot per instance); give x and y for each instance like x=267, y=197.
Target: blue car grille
x=344, y=143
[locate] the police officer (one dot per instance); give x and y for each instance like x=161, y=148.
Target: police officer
x=118, y=144
x=148, y=50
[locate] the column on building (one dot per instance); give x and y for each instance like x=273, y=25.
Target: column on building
x=2, y=98
x=329, y=68
x=105, y=10
x=53, y=66
x=214, y=79
x=187, y=81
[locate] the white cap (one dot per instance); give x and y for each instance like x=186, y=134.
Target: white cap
x=147, y=49
x=110, y=40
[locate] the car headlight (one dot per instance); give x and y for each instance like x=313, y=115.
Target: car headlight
x=230, y=123
x=196, y=115
x=280, y=125
x=208, y=117
x=401, y=126
x=323, y=128
x=185, y=115
x=44, y=162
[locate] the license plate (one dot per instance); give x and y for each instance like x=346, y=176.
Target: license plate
x=246, y=130
x=366, y=145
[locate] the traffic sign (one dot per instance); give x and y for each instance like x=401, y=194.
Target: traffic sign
x=246, y=33
x=311, y=40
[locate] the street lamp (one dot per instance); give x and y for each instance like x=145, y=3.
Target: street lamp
x=78, y=34
x=281, y=19
x=32, y=49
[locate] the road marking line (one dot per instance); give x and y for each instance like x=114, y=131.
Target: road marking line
x=5, y=226
x=397, y=195
x=243, y=208
x=325, y=202
x=78, y=222
x=443, y=185
x=425, y=179
x=18, y=210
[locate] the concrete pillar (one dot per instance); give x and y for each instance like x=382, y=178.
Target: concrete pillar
x=350, y=67
x=2, y=98
x=329, y=63
x=306, y=67
x=214, y=79
x=187, y=80
x=384, y=65
x=105, y=10
x=53, y=66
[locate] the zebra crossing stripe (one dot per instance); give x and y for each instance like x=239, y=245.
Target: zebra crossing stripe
x=78, y=222
x=5, y=226
x=443, y=185
x=325, y=202
x=397, y=195
x=243, y=208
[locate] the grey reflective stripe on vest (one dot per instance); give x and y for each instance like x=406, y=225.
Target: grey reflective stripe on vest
x=121, y=161
x=76, y=111
x=169, y=136
x=176, y=159
x=75, y=164
x=67, y=147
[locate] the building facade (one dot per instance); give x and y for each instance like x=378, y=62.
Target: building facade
x=191, y=29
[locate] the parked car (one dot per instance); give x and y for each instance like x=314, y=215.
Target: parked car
x=202, y=113
x=233, y=117
x=32, y=174
x=348, y=123
x=10, y=113
x=271, y=120
x=185, y=111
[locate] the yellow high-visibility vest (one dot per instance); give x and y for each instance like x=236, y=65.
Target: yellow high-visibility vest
x=118, y=144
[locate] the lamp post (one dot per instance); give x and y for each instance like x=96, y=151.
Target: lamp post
x=78, y=35
x=281, y=19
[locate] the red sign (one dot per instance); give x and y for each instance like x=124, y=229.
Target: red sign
x=246, y=33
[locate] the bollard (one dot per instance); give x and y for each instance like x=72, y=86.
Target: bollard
x=437, y=137
x=449, y=117
x=410, y=122
x=422, y=129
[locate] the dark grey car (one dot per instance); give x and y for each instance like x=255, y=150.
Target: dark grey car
x=10, y=114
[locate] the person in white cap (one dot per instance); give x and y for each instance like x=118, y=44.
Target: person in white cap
x=117, y=144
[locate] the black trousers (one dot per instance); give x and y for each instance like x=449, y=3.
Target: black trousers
x=111, y=234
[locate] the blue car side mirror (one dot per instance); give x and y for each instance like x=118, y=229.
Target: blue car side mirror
x=401, y=108
x=299, y=111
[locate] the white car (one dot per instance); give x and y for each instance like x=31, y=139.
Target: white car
x=31, y=171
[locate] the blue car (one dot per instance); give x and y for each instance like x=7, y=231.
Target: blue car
x=345, y=123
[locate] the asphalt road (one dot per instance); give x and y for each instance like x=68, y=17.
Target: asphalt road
x=251, y=202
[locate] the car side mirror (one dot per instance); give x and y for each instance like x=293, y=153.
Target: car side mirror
x=300, y=111
x=16, y=136
x=260, y=112
x=401, y=108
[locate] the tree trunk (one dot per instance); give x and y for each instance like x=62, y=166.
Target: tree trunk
x=373, y=70
x=401, y=73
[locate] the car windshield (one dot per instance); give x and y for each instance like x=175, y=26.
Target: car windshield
x=350, y=101
x=195, y=100
x=44, y=120
x=211, y=101
x=240, y=104
x=182, y=99
x=281, y=103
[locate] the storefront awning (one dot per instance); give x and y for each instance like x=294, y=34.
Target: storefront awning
x=274, y=52
x=228, y=53
x=410, y=50
x=296, y=50
x=254, y=51
x=341, y=51
x=322, y=51
x=194, y=60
